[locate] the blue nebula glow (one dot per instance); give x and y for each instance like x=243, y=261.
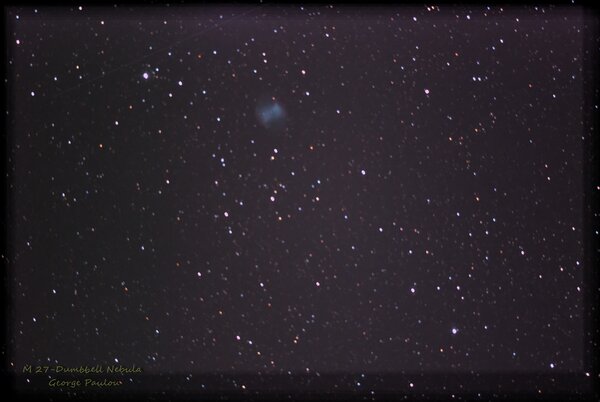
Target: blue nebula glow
x=270, y=115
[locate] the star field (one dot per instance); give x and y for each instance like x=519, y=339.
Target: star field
x=298, y=190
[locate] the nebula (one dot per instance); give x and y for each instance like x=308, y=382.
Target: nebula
x=271, y=115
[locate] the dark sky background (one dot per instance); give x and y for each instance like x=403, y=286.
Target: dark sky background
x=303, y=189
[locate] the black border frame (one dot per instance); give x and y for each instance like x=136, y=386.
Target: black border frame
x=433, y=386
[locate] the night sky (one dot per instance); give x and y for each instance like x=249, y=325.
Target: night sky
x=297, y=189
